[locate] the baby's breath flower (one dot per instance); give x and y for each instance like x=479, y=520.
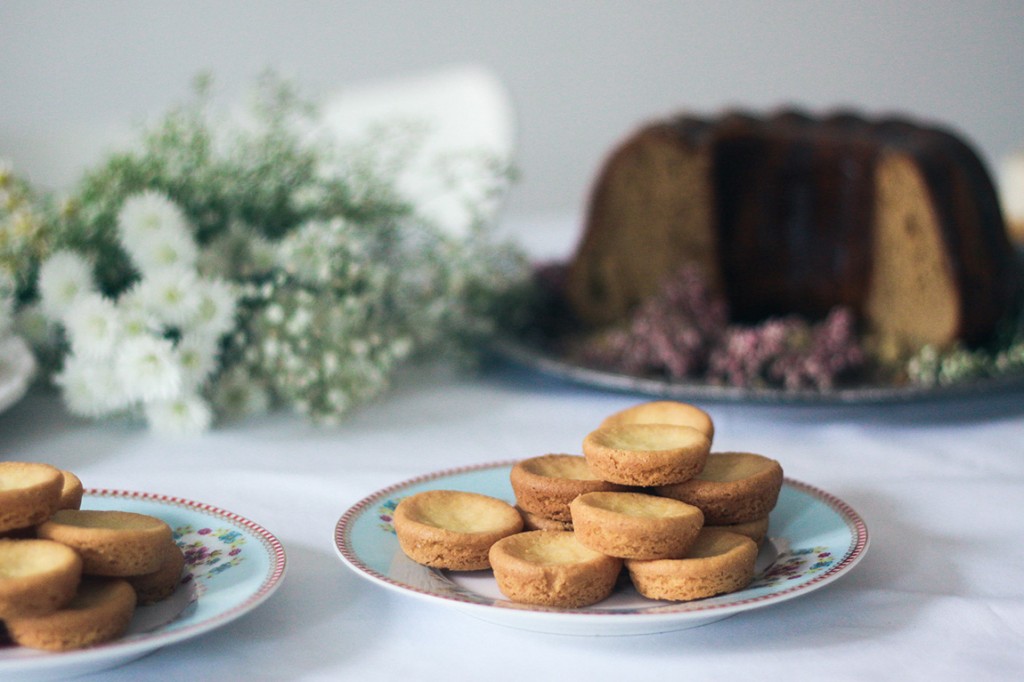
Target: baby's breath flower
x=94, y=325
x=307, y=253
x=187, y=415
x=62, y=278
x=148, y=369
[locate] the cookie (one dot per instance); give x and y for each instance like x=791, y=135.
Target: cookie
x=545, y=485
x=719, y=562
x=756, y=530
x=664, y=412
x=111, y=543
x=552, y=568
x=151, y=588
x=635, y=525
x=72, y=492
x=533, y=521
x=29, y=493
x=646, y=454
x=36, y=577
x=453, y=529
x=733, y=487
x=100, y=611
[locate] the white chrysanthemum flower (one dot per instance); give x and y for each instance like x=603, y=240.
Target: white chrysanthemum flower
x=162, y=249
x=215, y=315
x=148, y=368
x=62, y=278
x=146, y=214
x=136, y=318
x=197, y=356
x=93, y=325
x=172, y=295
x=188, y=415
x=90, y=388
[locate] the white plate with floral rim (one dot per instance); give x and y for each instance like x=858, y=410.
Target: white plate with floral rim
x=814, y=538
x=232, y=565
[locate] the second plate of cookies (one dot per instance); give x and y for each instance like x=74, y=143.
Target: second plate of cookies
x=813, y=539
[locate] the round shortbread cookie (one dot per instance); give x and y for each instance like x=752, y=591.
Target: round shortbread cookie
x=552, y=568
x=664, y=412
x=99, y=612
x=646, y=454
x=111, y=543
x=719, y=562
x=537, y=522
x=72, y=492
x=545, y=485
x=161, y=583
x=453, y=529
x=756, y=530
x=36, y=577
x=734, y=487
x=635, y=525
x=29, y=493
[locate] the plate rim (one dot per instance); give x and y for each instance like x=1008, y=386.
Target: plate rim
x=123, y=650
x=529, y=355
x=860, y=540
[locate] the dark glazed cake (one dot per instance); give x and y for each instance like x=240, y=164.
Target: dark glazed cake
x=785, y=214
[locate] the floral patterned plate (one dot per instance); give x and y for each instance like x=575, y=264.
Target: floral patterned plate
x=232, y=566
x=814, y=538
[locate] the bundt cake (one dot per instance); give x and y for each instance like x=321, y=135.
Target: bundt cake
x=789, y=213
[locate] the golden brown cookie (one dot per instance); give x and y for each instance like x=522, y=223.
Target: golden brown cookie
x=664, y=412
x=756, y=530
x=635, y=525
x=734, y=487
x=545, y=485
x=453, y=529
x=718, y=563
x=36, y=577
x=72, y=492
x=552, y=568
x=29, y=493
x=161, y=583
x=99, y=612
x=646, y=454
x=538, y=522
x=111, y=543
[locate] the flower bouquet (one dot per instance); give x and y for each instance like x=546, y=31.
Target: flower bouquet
x=220, y=267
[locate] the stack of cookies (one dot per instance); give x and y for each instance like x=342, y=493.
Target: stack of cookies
x=647, y=494
x=72, y=578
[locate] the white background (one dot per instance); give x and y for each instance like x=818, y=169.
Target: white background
x=581, y=74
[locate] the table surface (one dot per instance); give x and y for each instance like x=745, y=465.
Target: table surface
x=940, y=484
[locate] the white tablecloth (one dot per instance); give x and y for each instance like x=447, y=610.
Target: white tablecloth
x=940, y=594
x=940, y=484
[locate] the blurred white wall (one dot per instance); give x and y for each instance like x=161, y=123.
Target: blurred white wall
x=581, y=74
